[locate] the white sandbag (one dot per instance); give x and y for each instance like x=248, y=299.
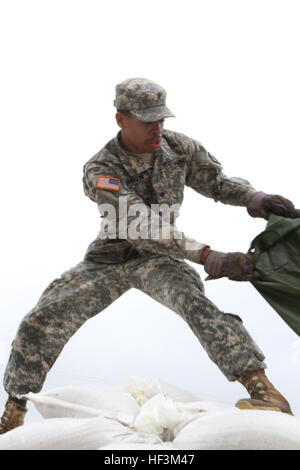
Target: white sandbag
x=71, y=434
x=239, y=430
x=85, y=402
x=168, y=418
x=65, y=408
x=142, y=389
x=204, y=405
x=162, y=416
x=128, y=446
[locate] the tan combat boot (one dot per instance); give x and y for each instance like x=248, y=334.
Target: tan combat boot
x=13, y=415
x=263, y=394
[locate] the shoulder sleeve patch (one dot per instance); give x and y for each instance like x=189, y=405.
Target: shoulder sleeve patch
x=214, y=159
x=108, y=182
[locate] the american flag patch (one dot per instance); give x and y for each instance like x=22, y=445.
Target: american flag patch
x=107, y=182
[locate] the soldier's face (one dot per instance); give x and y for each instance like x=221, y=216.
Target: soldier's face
x=138, y=136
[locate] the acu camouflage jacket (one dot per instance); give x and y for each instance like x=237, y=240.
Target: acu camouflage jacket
x=180, y=161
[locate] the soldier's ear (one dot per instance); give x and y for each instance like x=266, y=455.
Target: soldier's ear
x=121, y=120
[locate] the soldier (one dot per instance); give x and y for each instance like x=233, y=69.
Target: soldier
x=143, y=170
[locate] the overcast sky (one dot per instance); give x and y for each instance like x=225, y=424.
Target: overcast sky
x=231, y=69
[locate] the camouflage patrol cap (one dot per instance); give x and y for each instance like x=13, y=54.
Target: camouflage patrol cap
x=145, y=99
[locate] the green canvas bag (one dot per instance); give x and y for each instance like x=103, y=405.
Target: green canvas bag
x=276, y=252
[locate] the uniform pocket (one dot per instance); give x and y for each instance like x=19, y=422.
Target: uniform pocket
x=237, y=323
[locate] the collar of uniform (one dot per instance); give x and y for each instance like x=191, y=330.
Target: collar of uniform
x=133, y=165
x=167, y=154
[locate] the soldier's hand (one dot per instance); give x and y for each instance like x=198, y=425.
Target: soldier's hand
x=261, y=204
x=236, y=266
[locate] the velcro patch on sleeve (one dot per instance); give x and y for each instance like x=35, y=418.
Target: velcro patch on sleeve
x=108, y=182
x=214, y=159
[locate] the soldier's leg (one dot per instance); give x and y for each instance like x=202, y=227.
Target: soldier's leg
x=177, y=285
x=64, y=306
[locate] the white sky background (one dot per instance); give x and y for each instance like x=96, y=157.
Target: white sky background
x=231, y=69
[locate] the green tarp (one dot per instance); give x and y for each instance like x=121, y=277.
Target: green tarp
x=276, y=251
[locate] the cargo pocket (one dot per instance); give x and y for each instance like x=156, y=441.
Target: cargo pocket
x=238, y=323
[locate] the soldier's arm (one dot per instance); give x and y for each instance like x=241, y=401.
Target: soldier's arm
x=162, y=237
x=205, y=175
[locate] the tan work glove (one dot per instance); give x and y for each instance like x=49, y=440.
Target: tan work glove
x=236, y=266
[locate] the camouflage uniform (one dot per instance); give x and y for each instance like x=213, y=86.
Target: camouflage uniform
x=116, y=262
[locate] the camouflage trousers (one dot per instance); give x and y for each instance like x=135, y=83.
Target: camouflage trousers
x=88, y=288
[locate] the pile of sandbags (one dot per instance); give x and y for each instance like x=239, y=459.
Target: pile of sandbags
x=147, y=414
